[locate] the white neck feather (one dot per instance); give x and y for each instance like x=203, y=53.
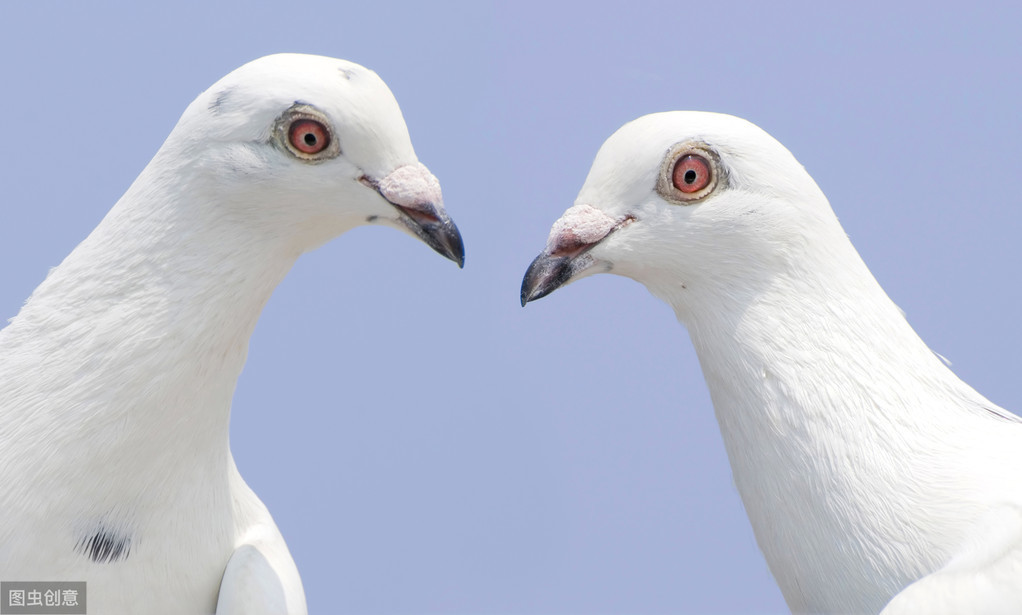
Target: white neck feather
x=141, y=334
x=833, y=455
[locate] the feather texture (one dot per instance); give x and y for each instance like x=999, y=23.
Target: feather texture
x=117, y=375
x=863, y=462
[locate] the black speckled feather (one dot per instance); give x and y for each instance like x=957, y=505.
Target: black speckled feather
x=104, y=546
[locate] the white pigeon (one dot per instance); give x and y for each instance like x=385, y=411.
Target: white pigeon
x=118, y=373
x=866, y=467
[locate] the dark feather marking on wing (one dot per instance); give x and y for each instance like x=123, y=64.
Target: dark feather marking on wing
x=105, y=546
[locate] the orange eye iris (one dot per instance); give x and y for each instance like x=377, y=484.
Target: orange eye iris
x=691, y=173
x=308, y=136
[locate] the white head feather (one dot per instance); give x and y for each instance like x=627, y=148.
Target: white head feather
x=118, y=373
x=861, y=459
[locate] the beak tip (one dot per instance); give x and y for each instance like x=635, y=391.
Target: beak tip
x=455, y=246
x=545, y=275
x=438, y=231
x=452, y=253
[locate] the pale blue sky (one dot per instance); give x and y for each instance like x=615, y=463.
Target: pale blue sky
x=424, y=443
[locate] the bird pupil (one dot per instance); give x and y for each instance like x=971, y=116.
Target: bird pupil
x=310, y=139
x=690, y=176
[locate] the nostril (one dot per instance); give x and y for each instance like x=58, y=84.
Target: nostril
x=568, y=244
x=422, y=216
x=571, y=242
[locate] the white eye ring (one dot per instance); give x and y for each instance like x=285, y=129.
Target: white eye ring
x=702, y=170
x=306, y=115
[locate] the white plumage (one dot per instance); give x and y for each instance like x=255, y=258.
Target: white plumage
x=865, y=465
x=118, y=373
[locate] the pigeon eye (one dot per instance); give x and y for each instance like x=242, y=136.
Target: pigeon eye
x=305, y=132
x=309, y=137
x=691, y=174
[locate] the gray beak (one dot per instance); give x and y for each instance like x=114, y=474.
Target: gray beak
x=415, y=194
x=549, y=272
x=567, y=254
x=432, y=225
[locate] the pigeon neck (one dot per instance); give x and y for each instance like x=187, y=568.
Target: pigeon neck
x=828, y=404
x=145, y=326
x=799, y=356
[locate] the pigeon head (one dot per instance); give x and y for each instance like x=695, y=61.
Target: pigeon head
x=311, y=146
x=692, y=205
